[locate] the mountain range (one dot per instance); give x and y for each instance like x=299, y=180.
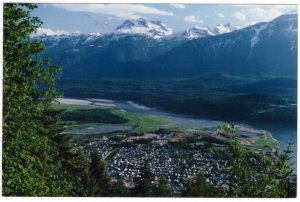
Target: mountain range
x=141, y=48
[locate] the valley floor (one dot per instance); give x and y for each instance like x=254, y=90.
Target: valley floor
x=176, y=148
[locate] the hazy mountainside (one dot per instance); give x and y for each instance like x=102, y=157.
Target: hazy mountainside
x=268, y=48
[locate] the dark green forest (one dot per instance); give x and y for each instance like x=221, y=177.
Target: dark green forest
x=233, y=98
x=93, y=116
x=37, y=160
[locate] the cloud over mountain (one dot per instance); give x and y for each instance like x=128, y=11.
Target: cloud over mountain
x=117, y=10
x=192, y=19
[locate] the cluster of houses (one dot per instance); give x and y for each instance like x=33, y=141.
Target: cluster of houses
x=101, y=144
x=176, y=165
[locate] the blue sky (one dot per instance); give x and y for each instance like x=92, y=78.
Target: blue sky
x=100, y=18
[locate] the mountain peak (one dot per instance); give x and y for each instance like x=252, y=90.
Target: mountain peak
x=197, y=32
x=143, y=27
x=204, y=31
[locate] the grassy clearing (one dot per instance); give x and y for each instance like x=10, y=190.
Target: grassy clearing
x=72, y=107
x=140, y=122
x=266, y=141
x=145, y=122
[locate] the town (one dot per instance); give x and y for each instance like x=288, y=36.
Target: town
x=177, y=166
x=175, y=156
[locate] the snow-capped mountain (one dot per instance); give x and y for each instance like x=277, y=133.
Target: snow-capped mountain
x=140, y=47
x=267, y=48
x=142, y=27
x=223, y=28
x=205, y=31
x=71, y=39
x=158, y=30
x=197, y=32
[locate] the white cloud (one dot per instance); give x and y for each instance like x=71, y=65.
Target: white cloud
x=240, y=16
x=179, y=6
x=257, y=14
x=49, y=31
x=118, y=10
x=260, y=14
x=285, y=6
x=220, y=15
x=192, y=19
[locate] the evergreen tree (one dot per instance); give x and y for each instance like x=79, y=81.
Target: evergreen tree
x=240, y=176
x=97, y=180
x=257, y=175
x=144, y=186
x=162, y=189
x=201, y=188
x=30, y=165
x=118, y=189
x=283, y=171
x=82, y=182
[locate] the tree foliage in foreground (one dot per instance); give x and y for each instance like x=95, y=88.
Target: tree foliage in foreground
x=144, y=185
x=248, y=175
x=32, y=158
x=37, y=159
x=258, y=175
x=201, y=188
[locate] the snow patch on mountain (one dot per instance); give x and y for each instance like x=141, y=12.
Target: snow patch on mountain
x=255, y=38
